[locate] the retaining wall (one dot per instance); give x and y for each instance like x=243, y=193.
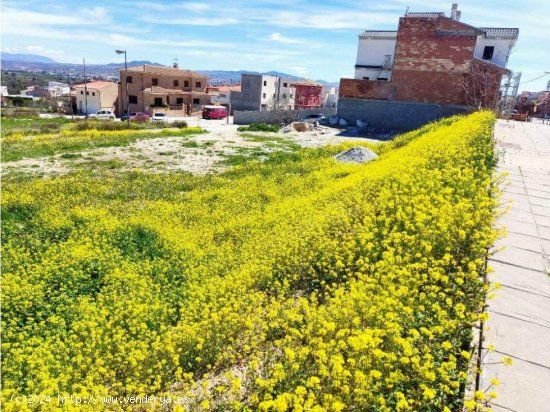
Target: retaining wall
x=266, y=116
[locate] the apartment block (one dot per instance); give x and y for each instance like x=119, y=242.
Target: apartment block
x=94, y=96
x=168, y=89
x=432, y=66
x=263, y=92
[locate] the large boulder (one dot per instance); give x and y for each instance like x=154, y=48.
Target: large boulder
x=342, y=122
x=358, y=154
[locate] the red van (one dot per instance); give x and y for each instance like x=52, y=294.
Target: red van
x=214, y=112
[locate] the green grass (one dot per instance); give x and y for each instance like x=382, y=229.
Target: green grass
x=31, y=125
x=17, y=146
x=260, y=127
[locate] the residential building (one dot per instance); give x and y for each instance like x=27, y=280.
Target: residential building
x=329, y=97
x=4, y=90
x=432, y=66
x=263, y=92
x=221, y=95
x=307, y=95
x=535, y=104
x=168, y=89
x=36, y=92
x=57, y=89
x=94, y=96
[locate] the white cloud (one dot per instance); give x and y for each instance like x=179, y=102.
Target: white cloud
x=300, y=70
x=191, y=21
x=198, y=7
x=278, y=37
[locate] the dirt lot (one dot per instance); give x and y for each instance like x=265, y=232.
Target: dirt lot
x=201, y=154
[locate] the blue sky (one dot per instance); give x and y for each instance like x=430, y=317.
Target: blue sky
x=312, y=39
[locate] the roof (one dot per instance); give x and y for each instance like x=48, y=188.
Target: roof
x=378, y=34
x=305, y=83
x=431, y=15
x=500, y=32
x=167, y=71
x=98, y=85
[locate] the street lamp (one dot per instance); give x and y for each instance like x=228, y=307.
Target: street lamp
x=126, y=82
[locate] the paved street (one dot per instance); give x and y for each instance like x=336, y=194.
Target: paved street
x=519, y=324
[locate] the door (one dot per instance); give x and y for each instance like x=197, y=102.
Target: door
x=158, y=101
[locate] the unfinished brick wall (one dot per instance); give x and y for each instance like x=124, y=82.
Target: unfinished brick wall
x=432, y=64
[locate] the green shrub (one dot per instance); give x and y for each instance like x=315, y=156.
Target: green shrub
x=260, y=127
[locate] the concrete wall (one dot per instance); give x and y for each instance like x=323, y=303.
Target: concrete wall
x=394, y=115
x=266, y=116
x=372, y=51
x=501, y=52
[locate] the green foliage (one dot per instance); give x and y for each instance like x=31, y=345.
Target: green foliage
x=260, y=127
x=297, y=283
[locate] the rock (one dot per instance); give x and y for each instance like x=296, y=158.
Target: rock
x=300, y=127
x=360, y=124
x=333, y=121
x=342, y=122
x=358, y=154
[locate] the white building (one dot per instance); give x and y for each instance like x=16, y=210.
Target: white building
x=375, y=54
x=376, y=48
x=4, y=90
x=263, y=92
x=57, y=89
x=329, y=96
x=95, y=96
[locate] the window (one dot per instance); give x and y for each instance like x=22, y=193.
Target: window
x=196, y=101
x=129, y=79
x=93, y=93
x=186, y=83
x=264, y=95
x=155, y=81
x=488, y=52
x=132, y=99
x=179, y=100
x=382, y=78
x=176, y=83
x=265, y=82
x=87, y=93
x=366, y=78
x=158, y=101
x=285, y=84
x=273, y=95
x=81, y=92
x=198, y=84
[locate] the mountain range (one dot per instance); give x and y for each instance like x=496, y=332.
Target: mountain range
x=37, y=63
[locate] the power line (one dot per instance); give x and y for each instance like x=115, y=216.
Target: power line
x=536, y=78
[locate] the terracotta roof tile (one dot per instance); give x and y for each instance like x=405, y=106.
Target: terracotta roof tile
x=168, y=71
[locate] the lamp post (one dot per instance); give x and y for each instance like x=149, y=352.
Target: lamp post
x=126, y=83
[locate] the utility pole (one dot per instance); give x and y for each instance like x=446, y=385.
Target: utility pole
x=85, y=89
x=126, y=83
x=70, y=98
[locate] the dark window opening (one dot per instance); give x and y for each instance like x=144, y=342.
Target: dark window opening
x=155, y=82
x=198, y=84
x=382, y=78
x=81, y=92
x=285, y=84
x=87, y=93
x=264, y=95
x=265, y=83
x=167, y=99
x=129, y=79
x=176, y=83
x=366, y=78
x=196, y=101
x=186, y=83
x=179, y=100
x=488, y=52
x=93, y=93
x=158, y=101
x=132, y=99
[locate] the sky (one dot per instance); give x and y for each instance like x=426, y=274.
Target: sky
x=312, y=39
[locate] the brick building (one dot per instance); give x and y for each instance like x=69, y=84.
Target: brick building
x=307, y=95
x=432, y=66
x=167, y=89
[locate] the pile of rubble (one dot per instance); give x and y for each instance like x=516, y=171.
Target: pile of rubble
x=358, y=154
x=302, y=127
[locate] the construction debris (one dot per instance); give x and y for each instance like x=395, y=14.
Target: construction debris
x=302, y=127
x=358, y=154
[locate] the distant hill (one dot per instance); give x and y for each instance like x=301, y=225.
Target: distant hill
x=19, y=57
x=35, y=63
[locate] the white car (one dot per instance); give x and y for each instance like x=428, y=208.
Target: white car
x=159, y=117
x=103, y=115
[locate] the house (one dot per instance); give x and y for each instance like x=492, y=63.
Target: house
x=430, y=67
x=168, y=89
x=36, y=92
x=263, y=92
x=307, y=95
x=221, y=95
x=57, y=89
x=329, y=97
x=535, y=104
x=94, y=96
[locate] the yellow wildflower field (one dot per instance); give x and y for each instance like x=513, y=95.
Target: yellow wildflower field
x=298, y=283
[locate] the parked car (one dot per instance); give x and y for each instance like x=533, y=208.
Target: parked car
x=312, y=118
x=214, y=112
x=159, y=117
x=103, y=115
x=137, y=117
